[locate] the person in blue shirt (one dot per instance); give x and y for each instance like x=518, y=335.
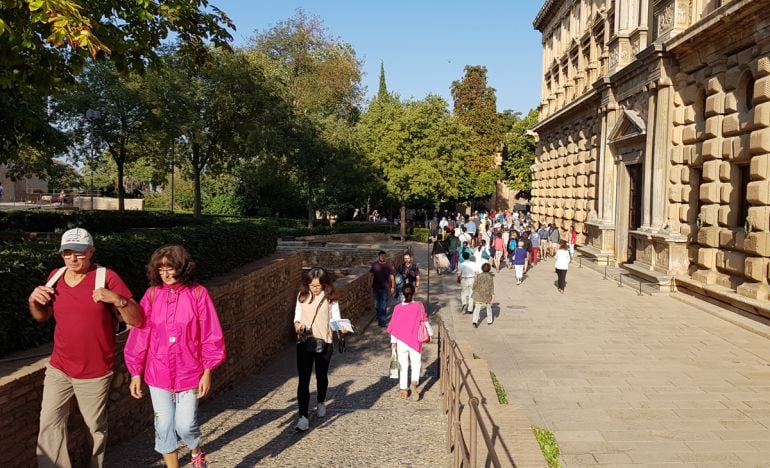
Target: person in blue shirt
x=534, y=238
x=543, y=234
x=519, y=260
x=470, y=227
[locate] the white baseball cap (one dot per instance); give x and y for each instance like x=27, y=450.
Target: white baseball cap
x=77, y=239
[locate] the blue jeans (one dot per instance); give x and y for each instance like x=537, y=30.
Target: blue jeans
x=175, y=413
x=381, y=303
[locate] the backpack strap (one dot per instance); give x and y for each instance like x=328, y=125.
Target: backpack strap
x=101, y=277
x=56, y=277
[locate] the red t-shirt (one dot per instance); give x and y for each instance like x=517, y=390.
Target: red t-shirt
x=84, y=337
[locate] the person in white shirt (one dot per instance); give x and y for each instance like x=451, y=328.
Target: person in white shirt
x=466, y=274
x=481, y=253
x=562, y=264
x=464, y=236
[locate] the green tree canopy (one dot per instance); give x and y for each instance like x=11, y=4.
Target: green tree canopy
x=106, y=111
x=320, y=77
x=217, y=114
x=45, y=44
x=519, y=153
x=475, y=106
x=420, y=150
x=321, y=73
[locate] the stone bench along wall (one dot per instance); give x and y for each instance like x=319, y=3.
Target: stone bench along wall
x=255, y=305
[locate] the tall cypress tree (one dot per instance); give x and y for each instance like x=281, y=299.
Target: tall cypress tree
x=383, y=91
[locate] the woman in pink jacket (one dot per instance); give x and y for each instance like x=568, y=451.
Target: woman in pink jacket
x=175, y=350
x=404, y=328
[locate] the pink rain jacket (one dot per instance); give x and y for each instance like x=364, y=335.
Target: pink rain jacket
x=180, y=338
x=405, y=323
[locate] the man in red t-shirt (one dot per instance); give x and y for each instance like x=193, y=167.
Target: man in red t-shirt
x=83, y=357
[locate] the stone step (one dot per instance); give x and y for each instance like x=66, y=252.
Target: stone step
x=624, y=277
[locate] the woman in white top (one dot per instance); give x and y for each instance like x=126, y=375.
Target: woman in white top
x=562, y=264
x=316, y=306
x=481, y=253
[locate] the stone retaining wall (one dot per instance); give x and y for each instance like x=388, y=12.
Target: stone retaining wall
x=255, y=305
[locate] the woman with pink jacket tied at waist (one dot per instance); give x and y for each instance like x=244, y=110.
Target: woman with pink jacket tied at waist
x=175, y=350
x=403, y=328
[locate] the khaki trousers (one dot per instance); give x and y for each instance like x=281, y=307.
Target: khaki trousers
x=91, y=395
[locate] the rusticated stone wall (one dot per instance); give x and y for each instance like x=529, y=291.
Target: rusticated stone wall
x=720, y=170
x=255, y=305
x=564, y=185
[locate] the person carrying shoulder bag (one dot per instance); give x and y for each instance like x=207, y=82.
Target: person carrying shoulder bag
x=317, y=305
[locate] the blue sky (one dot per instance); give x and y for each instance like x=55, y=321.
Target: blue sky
x=424, y=44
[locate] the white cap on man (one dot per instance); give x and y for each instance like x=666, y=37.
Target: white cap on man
x=77, y=239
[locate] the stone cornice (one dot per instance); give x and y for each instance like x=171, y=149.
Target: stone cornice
x=548, y=7
x=725, y=23
x=567, y=110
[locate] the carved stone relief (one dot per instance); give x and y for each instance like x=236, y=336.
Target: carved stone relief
x=683, y=13
x=665, y=18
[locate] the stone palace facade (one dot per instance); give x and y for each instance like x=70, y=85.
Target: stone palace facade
x=654, y=138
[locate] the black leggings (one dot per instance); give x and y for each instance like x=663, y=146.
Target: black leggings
x=561, y=278
x=305, y=362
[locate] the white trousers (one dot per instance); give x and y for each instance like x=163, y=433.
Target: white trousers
x=519, y=271
x=405, y=356
x=466, y=293
x=477, y=312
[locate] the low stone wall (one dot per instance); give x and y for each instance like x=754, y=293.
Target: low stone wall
x=509, y=427
x=107, y=203
x=353, y=237
x=344, y=253
x=255, y=305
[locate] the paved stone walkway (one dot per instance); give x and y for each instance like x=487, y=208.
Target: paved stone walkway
x=624, y=380
x=366, y=424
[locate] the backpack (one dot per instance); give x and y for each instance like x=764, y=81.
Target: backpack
x=101, y=279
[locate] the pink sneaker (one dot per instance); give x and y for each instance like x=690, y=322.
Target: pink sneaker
x=199, y=461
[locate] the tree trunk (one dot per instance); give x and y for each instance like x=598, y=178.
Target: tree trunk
x=196, y=166
x=403, y=222
x=309, y=206
x=120, y=162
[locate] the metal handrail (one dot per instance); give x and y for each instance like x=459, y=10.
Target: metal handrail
x=453, y=381
x=606, y=275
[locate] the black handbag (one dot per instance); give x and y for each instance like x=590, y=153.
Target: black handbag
x=315, y=345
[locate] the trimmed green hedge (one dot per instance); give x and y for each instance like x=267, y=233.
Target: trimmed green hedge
x=340, y=228
x=96, y=222
x=421, y=235
x=217, y=248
